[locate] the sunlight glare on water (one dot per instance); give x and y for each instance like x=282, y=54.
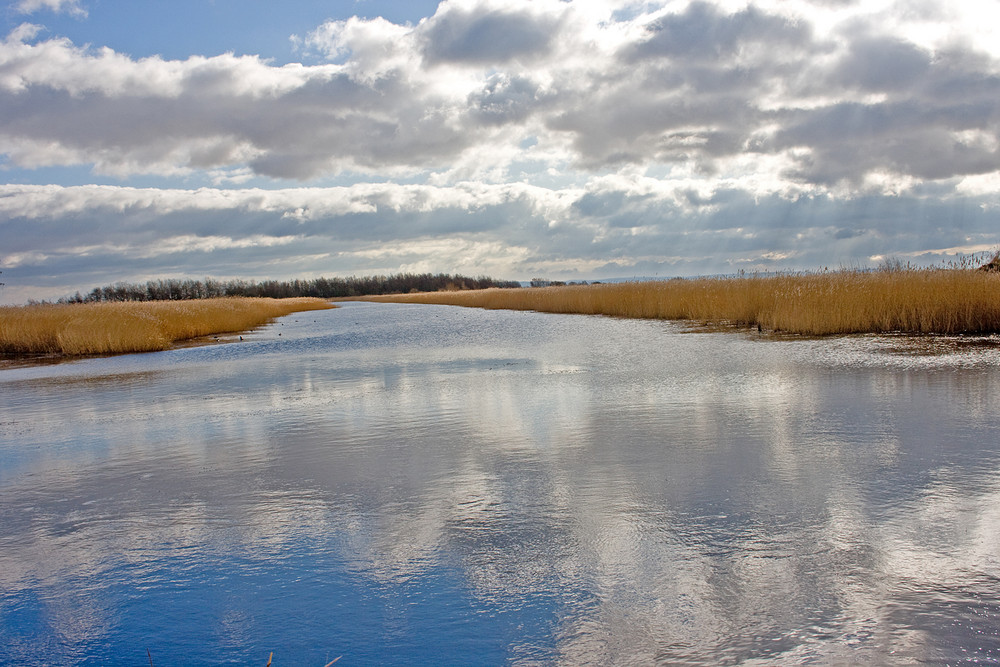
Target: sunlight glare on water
x=400, y=484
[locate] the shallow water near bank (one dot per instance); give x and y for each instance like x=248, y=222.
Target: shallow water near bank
x=401, y=484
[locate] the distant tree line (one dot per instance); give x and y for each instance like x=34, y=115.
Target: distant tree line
x=544, y=282
x=324, y=288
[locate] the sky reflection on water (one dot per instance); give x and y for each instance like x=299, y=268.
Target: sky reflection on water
x=400, y=484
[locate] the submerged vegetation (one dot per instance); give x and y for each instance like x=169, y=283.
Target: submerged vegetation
x=115, y=328
x=945, y=301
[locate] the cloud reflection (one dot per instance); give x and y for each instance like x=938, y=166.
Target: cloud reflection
x=629, y=494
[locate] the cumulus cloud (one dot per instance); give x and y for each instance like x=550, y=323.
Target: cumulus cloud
x=574, y=138
x=505, y=99
x=700, y=87
x=483, y=34
x=704, y=32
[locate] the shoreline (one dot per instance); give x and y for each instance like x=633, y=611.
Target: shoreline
x=46, y=334
x=917, y=301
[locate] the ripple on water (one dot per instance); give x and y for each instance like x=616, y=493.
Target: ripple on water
x=408, y=484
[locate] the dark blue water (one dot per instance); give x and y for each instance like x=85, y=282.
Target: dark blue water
x=400, y=484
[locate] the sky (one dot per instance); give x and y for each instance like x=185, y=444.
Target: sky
x=519, y=139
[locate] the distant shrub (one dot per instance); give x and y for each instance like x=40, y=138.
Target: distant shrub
x=323, y=288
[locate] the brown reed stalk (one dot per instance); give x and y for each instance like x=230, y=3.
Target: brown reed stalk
x=115, y=328
x=942, y=301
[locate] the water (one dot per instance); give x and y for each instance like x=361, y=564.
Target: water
x=400, y=484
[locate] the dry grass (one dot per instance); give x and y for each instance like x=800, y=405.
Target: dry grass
x=946, y=301
x=114, y=328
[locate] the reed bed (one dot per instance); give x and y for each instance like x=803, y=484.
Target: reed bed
x=940, y=301
x=123, y=327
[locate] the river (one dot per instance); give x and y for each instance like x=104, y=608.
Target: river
x=410, y=484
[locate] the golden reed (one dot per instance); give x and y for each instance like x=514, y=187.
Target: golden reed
x=944, y=301
x=113, y=328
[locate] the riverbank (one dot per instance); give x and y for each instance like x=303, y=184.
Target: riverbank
x=125, y=327
x=939, y=301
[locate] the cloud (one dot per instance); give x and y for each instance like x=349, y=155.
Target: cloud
x=705, y=32
x=570, y=139
x=72, y=7
x=886, y=64
x=704, y=90
x=484, y=34
x=505, y=100
x=68, y=105
x=60, y=239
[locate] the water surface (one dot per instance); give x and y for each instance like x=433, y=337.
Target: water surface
x=400, y=484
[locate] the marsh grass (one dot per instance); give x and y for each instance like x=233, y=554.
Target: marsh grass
x=945, y=301
x=115, y=328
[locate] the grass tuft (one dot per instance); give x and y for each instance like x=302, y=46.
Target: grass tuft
x=116, y=328
x=941, y=301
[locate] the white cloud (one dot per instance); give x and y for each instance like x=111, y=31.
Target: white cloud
x=466, y=256
x=692, y=87
x=72, y=7
x=613, y=226
x=780, y=133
